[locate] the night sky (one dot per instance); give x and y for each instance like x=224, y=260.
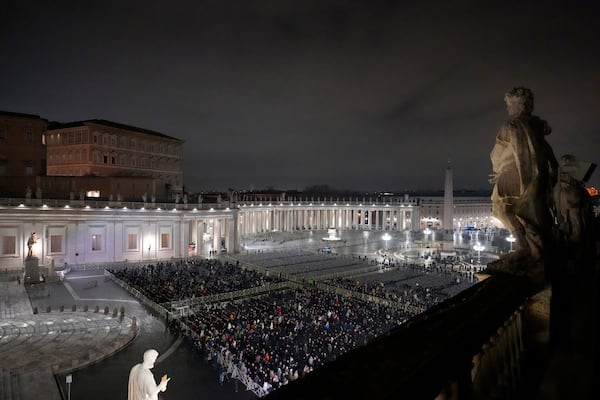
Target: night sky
x=361, y=95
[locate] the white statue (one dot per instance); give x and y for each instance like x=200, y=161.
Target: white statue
x=141, y=381
x=30, y=242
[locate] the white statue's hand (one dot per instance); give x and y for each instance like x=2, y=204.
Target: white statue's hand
x=162, y=386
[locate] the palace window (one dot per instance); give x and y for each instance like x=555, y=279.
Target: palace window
x=9, y=245
x=132, y=241
x=28, y=168
x=165, y=241
x=96, y=242
x=56, y=244
x=28, y=134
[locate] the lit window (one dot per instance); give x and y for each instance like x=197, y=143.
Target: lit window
x=96, y=242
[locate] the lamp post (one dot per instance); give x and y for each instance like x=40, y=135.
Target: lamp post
x=478, y=248
x=511, y=239
x=69, y=380
x=386, y=237
x=427, y=232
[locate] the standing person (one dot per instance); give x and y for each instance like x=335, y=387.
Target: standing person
x=141, y=384
x=525, y=172
x=221, y=376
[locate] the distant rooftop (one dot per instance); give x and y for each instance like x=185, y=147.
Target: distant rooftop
x=60, y=125
x=16, y=114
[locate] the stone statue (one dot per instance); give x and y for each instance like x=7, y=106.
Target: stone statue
x=525, y=171
x=573, y=205
x=141, y=385
x=30, y=242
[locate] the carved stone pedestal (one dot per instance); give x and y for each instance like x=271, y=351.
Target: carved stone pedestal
x=537, y=321
x=32, y=270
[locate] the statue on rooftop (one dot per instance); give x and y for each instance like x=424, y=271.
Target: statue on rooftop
x=574, y=209
x=525, y=172
x=141, y=385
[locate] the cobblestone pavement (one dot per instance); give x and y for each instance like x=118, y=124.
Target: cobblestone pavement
x=35, y=347
x=39, y=350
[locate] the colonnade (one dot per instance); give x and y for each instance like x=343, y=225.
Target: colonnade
x=216, y=233
x=291, y=217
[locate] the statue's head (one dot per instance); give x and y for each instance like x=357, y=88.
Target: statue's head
x=520, y=97
x=150, y=357
x=567, y=159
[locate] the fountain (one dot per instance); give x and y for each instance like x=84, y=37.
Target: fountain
x=332, y=235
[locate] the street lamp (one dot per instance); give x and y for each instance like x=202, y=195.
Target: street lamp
x=386, y=237
x=427, y=231
x=69, y=380
x=478, y=248
x=511, y=239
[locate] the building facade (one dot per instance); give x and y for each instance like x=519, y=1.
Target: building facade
x=467, y=211
x=140, y=162
x=77, y=232
x=87, y=231
x=22, y=152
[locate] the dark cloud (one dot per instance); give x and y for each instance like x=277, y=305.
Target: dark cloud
x=352, y=94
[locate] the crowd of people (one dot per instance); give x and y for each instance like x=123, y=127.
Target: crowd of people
x=191, y=278
x=284, y=334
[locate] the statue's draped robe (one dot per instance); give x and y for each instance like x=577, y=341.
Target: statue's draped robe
x=525, y=171
x=141, y=384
